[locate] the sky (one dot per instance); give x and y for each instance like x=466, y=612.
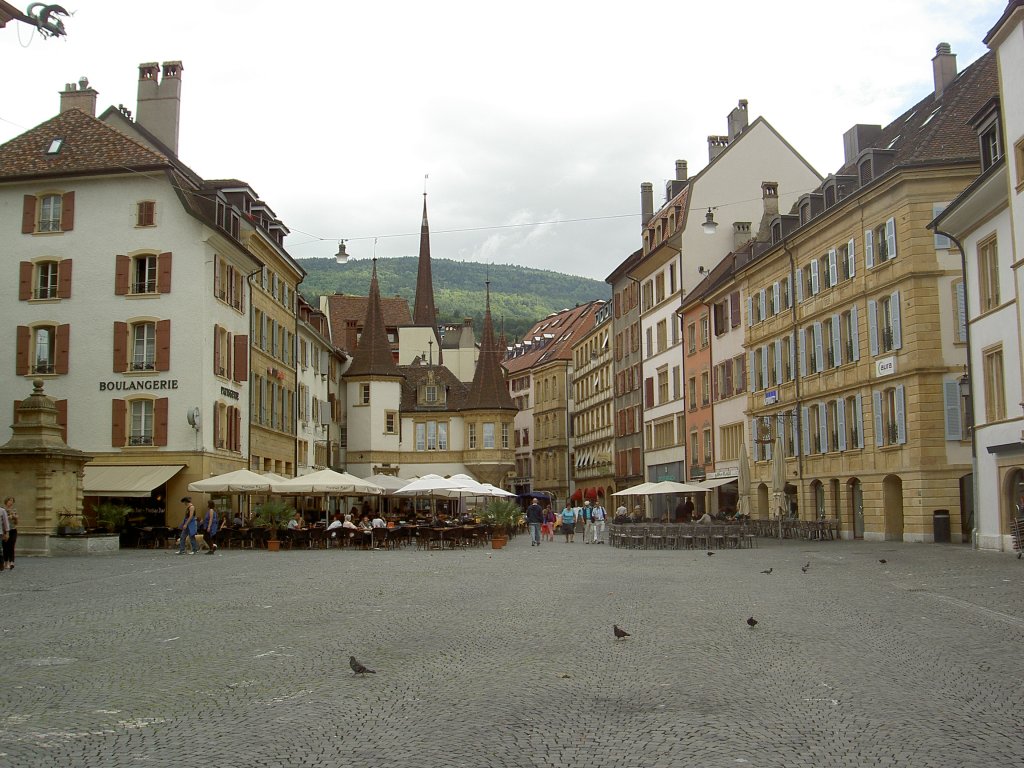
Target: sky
x=520, y=114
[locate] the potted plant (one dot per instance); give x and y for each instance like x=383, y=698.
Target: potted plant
x=110, y=516
x=69, y=523
x=273, y=513
x=504, y=515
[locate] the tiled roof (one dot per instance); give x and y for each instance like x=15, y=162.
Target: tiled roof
x=342, y=308
x=372, y=356
x=489, y=390
x=935, y=130
x=417, y=375
x=565, y=327
x=89, y=146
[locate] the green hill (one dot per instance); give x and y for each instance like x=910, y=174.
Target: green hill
x=520, y=296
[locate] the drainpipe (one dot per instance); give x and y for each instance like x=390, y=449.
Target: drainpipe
x=973, y=380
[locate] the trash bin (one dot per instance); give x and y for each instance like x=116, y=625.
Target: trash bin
x=940, y=526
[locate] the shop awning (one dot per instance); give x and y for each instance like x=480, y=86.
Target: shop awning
x=127, y=479
x=717, y=481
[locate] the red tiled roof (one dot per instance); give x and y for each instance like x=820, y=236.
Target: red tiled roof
x=89, y=146
x=566, y=327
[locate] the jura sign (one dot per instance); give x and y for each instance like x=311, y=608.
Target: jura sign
x=885, y=367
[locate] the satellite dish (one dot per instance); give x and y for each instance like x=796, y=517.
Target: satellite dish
x=193, y=418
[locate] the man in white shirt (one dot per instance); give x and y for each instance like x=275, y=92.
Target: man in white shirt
x=378, y=522
x=598, y=523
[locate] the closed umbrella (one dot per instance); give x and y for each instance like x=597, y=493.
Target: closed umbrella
x=743, y=482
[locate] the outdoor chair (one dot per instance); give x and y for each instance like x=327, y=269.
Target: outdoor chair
x=380, y=538
x=656, y=537
x=671, y=536
x=637, y=537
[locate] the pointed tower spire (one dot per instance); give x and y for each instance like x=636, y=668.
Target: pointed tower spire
x=489, y=390
x=424, y=312
x=373, y=352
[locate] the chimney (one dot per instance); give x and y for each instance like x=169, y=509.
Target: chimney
x=770, y=197
x=740, y=234
x=79, y=97
x=716, y=146
x=159, y=103
x=943, y=68
x=681, y=170
x=646, y=203
x=857, y=139
x=737, y=120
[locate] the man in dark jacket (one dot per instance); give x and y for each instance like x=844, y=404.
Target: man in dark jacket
x=534, y=519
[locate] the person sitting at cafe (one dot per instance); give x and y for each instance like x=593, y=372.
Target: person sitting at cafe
x=237, y=521
x=378, y=522
x=336, y=522
x=349, y=523
x=705, y=519
x=365, y=523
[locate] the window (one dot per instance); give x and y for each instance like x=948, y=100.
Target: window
x=890, y=418
x=431, y=435
x=144, y=274
x=691, y=391
x=488, y=434
x=813, y=429
x=141, y=425
x=694, y=447
x=988, y=274
x=703, y=331
x=885, y=307
x=848, y=336
x=884, y=323
x=691, y=338
x=729, y=440
x=833, y=354
x=442, y=435
x=390, y=422
x=471, y=436
x=659, y=287
x=43, y=357
x=364, y=394
x=995, y=394
x=662, y=335
x=676, y=386
x=707, y=446
x=46, y=280
x=49, y=213
x=504, y=435
x=143, y=347
x=145, y=213
x=852, y=414
x=880, y=243
x=662, y=386
x=705, y=388
x=421, y=439
x=991, y=146
x=671, y=278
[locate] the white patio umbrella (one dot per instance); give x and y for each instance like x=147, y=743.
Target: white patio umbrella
x=239, y=481
x=389, y=483
x=431, y=485
x=636, y=490
x=329, y=482
x=497, y=492
x=670, y=486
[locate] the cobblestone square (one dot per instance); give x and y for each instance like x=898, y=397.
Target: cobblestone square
x=507, y=658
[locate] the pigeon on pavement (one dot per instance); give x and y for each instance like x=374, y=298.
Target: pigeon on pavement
x=883, y=561
x=751, y=622
x=768, y=572
x=358, y=668
x=619, y=633
x=805, y=568
x=710, y=554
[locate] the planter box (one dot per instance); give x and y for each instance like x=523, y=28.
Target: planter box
x=89, y=544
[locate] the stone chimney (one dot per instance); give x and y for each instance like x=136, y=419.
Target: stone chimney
x=716, y=146
x=646, y=203
x=740, y=234
x=681, y=172
x=159, y=102
x=79, y=96
x=770, y=202
x=943, y=68
x=737, y=120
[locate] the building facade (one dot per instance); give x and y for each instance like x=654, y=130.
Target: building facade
x=626, y=371
x=592, y=414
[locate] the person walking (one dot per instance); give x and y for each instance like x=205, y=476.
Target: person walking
x=547, y=528
x=534, y=520
x=598, y=523
x=569, y=523
x=12, y=534
x=188, y=527
x=588, y=522
x=5, y=532
x=210, y=526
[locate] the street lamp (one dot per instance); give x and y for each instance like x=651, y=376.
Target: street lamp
x=965, y=393
x=710, y=225
x=342, y=255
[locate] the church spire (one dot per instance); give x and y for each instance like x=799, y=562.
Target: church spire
x=489, y=391
x=424, y=312
x=372, y=356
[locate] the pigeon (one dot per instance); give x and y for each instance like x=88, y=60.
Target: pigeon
x=883, y=561
x=751, y=622
x=710, y=554
x=619, y=633
x=804, y=568
x=768, y=572
x=358, y=668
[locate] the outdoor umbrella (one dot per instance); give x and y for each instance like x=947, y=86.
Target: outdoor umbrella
x=330, y=482
x=431, y=485
x=493, y=490
x=670, y=486
x=389, y=483
x=636, y=490
x=743, y=482
x=239, y=481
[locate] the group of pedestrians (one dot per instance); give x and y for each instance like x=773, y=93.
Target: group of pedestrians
x=590, y=521
x=192, y=525
x=8, y=533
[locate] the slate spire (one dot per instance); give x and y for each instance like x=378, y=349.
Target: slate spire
x=424, y=312
x=489, y=391
x=373, y=351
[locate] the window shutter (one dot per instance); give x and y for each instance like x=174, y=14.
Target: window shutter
x=714, y=384
x=764, y=367
x=876, y=401
x=750, y=310
x=869, y=249
x=819, y=358
x=216, y=349
x=25, y=270
x=741, y=376
x=117, y=415
x=841, y=423
x=805, y=429
x=216, y=425
x=67, y=213
x=897, y=333
x=873, y=326
x=241, y=358
x=237, y=446
x=649, y=392
x=160, y=421
x=778, y=361
x=799, y=287
x=823, y=427
x=901, y=416
x=63, y=344
x=64, y=279
x=21, y=357
x=792, y=362
x=752, y=367
x=62, y=418
x=734, y=308
x=837, y=343
x=122, y=266
x=28, y=215
x=961, y=312
x=163, y=273
x=762, y=311
x=776, y=297
x=851, y=260
x=833, y=272
x=855, y=332
x=860, y=420
x=163, y=345
x=218, y=275
x=755, y=447
x=727, y=379
x=803, y=353
x=941, y=241
x=890, y=237
x=951, y=401
x=814, y=277
x=120, y=348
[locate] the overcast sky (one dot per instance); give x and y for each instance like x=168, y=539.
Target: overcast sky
x=520, y=113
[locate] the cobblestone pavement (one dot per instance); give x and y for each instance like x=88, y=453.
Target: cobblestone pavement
x=507, y=658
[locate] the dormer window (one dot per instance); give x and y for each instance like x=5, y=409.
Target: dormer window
x=55, y=146
x=991, y=145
